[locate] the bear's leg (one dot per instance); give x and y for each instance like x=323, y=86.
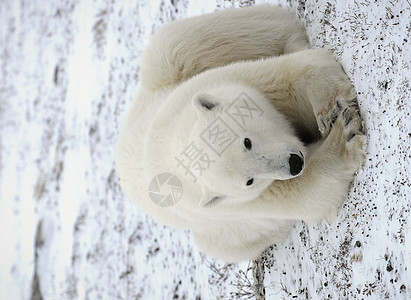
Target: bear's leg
x=182, y=49
x=318, y=79
x=324, y=184
x=349, y=103
x=309, y=87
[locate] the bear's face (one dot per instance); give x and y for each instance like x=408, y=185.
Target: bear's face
x=249, y=144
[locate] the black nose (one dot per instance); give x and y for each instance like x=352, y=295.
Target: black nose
x=296, y=164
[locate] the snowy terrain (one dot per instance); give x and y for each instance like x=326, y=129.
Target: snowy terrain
x=69, y=70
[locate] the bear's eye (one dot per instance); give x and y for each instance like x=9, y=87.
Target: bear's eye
x=247, y=143
x=250, y=181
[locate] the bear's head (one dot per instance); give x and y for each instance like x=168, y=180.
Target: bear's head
x=245, y=145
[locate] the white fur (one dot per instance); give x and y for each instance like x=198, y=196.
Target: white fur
x=193, y=64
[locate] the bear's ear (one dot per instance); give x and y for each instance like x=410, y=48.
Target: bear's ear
x=204, y=102
x=209, y=198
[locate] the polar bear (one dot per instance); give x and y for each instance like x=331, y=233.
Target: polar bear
x=247, y=128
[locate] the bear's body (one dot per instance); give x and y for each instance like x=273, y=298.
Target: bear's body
x=231, y=104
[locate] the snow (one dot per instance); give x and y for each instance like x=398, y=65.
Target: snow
x=69, y=70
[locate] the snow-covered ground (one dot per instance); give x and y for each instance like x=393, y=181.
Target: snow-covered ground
x=69, y=70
